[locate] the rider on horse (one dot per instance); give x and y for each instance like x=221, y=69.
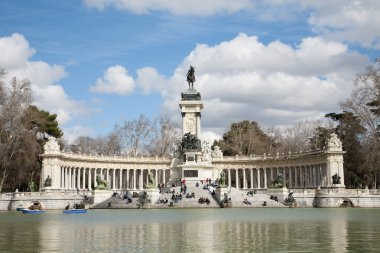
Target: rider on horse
x=191, y=77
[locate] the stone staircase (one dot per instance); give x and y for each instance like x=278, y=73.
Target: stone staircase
x=199, y=192
x=257, y=200
x=237, y=197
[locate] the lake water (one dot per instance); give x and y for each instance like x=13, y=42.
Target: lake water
x=193, y=230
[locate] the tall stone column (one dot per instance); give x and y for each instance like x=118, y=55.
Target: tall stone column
x=284, y=175
x=271, y=175
x=156, y=177
x=265, y=179
x=113, y=179
x=296, y=177
x=334, y=163
x=164, y=177
x=237, y=178
x=95, y=175
x=89, y=179
x=141, y=179
x=229, y=177
x=290, y=177
x=84, y=178
x=258, y=178
x=134, y=179
x=70, y=177
x=251, y=174
x=244, y=180
x=120, y=179
x=78, y=178
x=126, y=180
x=62, y=178
x=198, y=116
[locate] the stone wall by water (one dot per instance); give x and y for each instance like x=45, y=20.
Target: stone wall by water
x=305, y=198
x=337, y=198
x=49, y=201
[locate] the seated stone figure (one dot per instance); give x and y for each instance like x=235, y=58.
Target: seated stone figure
x=102, y=184
x=151, y=181
x=222, y=179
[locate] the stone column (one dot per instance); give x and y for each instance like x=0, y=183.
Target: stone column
x=183, y=124
x=89, y=179
x=108, y=171
x=62, y=177
x=77, y=186
x=164, y=177
x=251, y=174
x=290, y=177
x=134, y=179
x=244, y=180
x=258, y=178
x=198, y=115
x=69, y=178
x=120, y=179
x=84, y=178
x=284, y=176
x=265, y=179
x=127, y=180
x=113, y=179
x=141, y=180
x=237, y=178
x=156, y=177
x=271, y=175
x=229, y=177
x=95, y=175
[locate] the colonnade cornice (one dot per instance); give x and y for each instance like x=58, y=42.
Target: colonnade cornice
x=272, y=161
x=66, y=159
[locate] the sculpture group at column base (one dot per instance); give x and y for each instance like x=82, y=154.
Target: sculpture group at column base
x=153, y=195
x=101, y=196
x=280, y=193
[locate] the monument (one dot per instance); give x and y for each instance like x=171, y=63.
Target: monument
x=194, y=163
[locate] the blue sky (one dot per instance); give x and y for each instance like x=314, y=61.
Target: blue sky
x=97, y=63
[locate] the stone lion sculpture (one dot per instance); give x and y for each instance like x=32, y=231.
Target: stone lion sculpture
x=151, y=181
x=102, y=184
x=222, y=179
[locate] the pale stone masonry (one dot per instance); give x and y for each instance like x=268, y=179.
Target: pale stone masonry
x=300, y=170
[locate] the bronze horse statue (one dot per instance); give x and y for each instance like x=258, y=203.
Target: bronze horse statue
x=191, y=77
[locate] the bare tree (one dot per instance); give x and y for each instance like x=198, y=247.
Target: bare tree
x=364, y=103
x=15, y=98
x=133, y=135
x=164, y=133
x=108, y=145
x=297, y=137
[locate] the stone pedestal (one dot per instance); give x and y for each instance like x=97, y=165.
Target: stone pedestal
x=101, y=196
x=220, y=193
x=154, y=195
x=280, y=193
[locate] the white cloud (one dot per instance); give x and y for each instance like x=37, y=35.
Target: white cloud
x=14, y=51
x=71, y=133
x=354, y=21
x=148, y=80
x=47, y=93
x=115, y=80
x=274, y=84
x=348, y=20
x=187, y=7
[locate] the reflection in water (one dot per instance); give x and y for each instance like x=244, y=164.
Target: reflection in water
x=213, y=230
x=338, y=233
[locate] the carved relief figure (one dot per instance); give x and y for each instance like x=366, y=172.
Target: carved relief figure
x=334, y=144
